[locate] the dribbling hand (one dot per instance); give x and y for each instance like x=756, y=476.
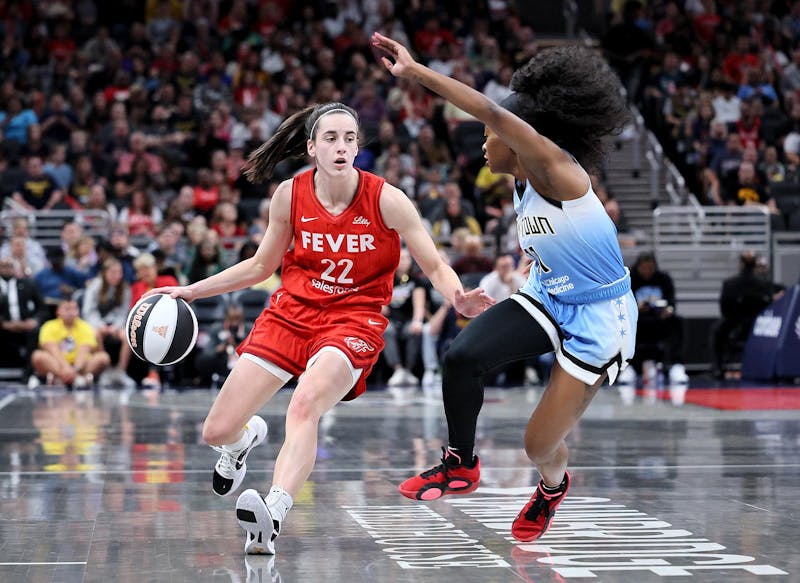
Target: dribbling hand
x=472, y=303
x=183, y=291
x=403, y=61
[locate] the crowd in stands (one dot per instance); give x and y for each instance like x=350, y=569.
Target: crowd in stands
x=718, y=81
x=148, y=110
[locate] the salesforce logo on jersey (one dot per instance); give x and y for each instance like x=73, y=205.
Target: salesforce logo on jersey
x=767, y=325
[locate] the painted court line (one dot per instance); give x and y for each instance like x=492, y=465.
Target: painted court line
x=372, y=469
x=6, y=400
x=44, y=563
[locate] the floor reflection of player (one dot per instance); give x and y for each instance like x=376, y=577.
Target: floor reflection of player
x=324, y=325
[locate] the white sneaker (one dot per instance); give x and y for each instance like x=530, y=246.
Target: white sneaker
x=398, y=378
x=122, y=378
x=627, y=376
x=428, y=377
x=409, y=379
x=677, y=375
x=34, y=382
x=255, y=518
x=230, y=468
x=83, y=381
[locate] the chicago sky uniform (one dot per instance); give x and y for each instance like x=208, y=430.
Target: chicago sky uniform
x=578, y=289
x=335, y=279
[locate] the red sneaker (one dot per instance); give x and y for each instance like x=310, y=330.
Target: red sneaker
x=449, y=477
x=534, y=519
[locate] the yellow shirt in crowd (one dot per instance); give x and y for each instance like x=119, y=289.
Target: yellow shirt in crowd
x=68, y=339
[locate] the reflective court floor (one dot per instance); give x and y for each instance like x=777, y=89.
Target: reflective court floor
x=116, y=487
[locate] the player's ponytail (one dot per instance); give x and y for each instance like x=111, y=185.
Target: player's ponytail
x=289, y=140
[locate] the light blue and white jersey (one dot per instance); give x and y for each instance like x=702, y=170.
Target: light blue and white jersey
x=573, y=245
x=578, y=290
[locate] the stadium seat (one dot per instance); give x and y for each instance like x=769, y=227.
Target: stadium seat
x=253, y=302
x=209, y=311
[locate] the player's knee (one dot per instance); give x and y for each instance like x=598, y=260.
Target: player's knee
x=461, y=356
x=219, y=432
x=302, y=408
x=539, y=448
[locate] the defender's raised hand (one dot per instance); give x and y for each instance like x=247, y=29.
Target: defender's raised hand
x=403, y=62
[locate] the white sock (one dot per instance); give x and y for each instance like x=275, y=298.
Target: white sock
x=279, y=502
x=242, y=443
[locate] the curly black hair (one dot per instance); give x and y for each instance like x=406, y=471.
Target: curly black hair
x=570, y=95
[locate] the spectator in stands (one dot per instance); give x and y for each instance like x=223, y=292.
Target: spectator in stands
x=58, y=281
x=659, y=334
x=68, y=351
x=457, y=213
x=727, y=105
x=206, y=193
x=23, y=267
x=71, y=233
x=406, y=314
x=38, y=190
x=742, y=298
x=503, y=280
x=225, y=222
x=16, y=119
x=22, y=310
x=58, y=121
x=105, y=308
x=746, y=189
x=29, y=255
x=170, y=243
x=141, y=216
x=217, y=357
x=97, y=201
x=58, y=168
x=207, y=259
x=472, y=258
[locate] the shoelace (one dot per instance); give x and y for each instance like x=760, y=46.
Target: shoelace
x=540, y=503
x=441, y=468
x=226, y=465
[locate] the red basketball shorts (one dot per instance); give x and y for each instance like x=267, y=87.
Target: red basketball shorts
x=289, y=333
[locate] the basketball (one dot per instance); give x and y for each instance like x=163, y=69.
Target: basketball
x=161, y=330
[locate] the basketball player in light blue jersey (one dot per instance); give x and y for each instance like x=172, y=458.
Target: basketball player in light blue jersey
x=577, y=300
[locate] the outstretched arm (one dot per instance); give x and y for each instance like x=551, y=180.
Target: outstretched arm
x=552, y=172
x=250, y=271
x=399, y=214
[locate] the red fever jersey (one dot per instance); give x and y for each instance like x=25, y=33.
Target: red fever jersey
x=346, y=260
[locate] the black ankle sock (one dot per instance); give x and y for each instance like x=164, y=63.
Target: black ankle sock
x=468, y=458
x=557, y=489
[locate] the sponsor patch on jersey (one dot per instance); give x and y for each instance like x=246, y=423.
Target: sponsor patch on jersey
x=358, y=345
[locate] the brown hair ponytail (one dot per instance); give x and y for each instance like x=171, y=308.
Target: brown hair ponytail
x=289, y=140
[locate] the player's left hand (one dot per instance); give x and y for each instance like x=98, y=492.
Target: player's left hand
x=472, y=303
x=403, y=62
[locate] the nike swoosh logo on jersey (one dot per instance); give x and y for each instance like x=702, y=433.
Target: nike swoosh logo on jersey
x=308, y=219
x=373, y=322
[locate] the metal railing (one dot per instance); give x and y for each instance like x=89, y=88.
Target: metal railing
x=45, y=226
x=700, y=248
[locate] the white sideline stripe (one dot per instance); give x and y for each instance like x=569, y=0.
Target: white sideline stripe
x=5, y=401
x=407, y=469
x=45, y=563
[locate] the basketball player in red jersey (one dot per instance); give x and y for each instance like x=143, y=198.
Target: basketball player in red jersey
x=337, y=230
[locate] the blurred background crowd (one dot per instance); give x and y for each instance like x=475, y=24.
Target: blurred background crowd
x=130, y=123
